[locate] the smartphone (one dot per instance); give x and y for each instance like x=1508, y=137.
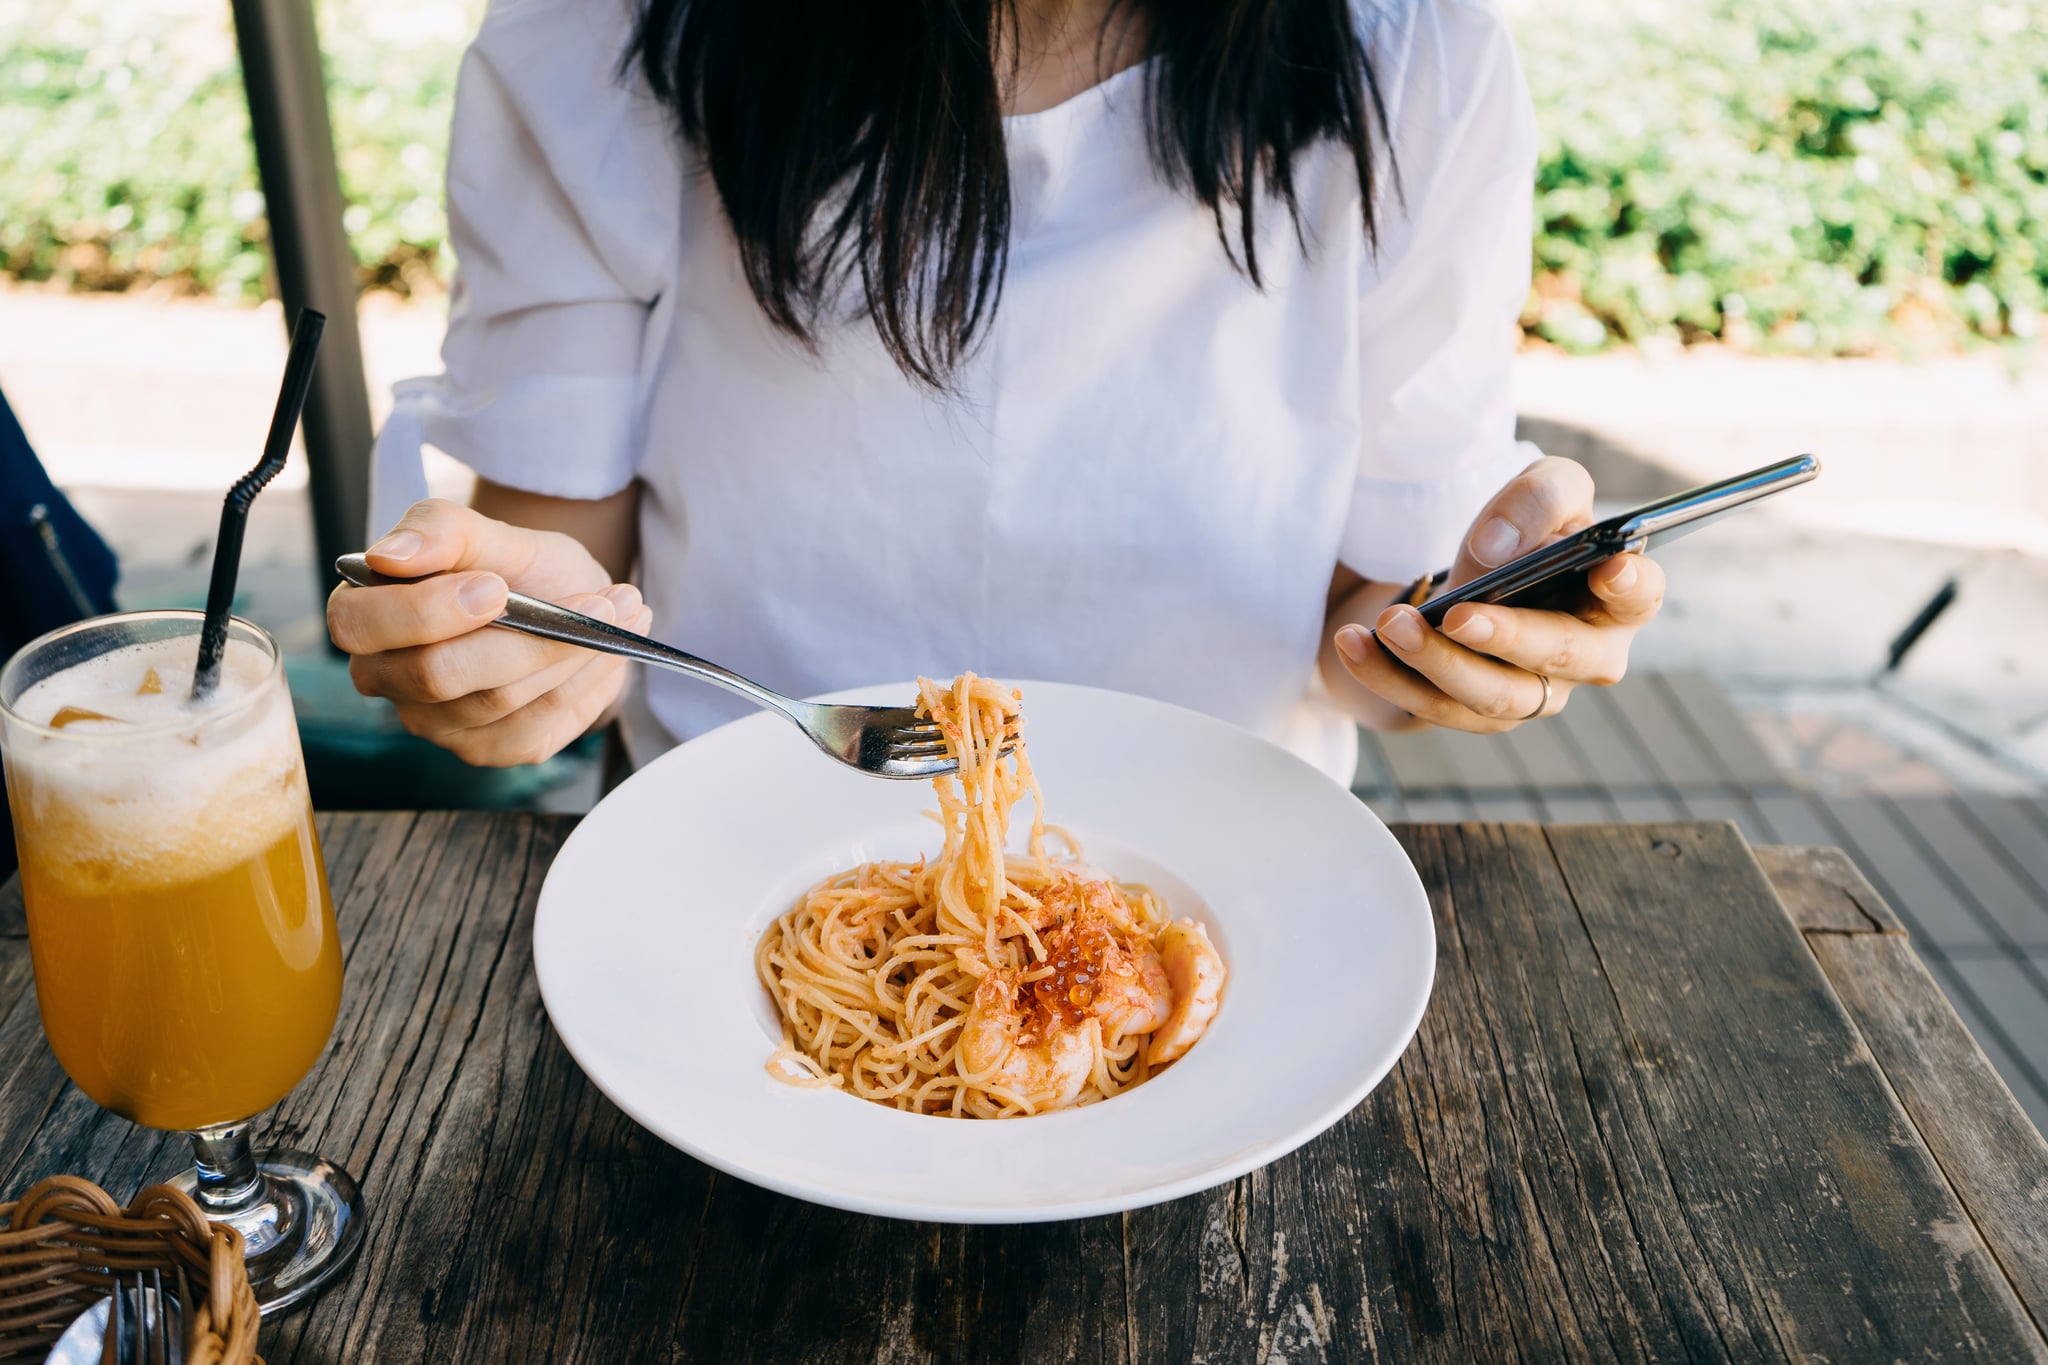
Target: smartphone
x=1553, y=575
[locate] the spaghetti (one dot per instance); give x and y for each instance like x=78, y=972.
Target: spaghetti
x=982, y=983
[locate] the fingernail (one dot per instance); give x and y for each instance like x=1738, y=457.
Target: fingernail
x=625, y=597
x=1495, y=542
x=481, y=595
x=1624, y=577
x=1351, y=644
x=397, y=545
x=599, y=606
x=1473, y=630
x=1402, y=629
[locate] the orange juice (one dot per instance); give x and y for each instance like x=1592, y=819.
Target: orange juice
x=183, y=939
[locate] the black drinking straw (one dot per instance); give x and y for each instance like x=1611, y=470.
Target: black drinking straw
x=234, y=512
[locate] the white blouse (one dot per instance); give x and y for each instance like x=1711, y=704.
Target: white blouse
x=1152, y=467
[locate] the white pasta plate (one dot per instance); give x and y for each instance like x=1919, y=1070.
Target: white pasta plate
x=645, y=933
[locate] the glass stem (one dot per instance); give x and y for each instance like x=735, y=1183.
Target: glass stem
x=229, y=1181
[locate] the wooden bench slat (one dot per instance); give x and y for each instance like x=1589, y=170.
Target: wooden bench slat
x=1576, y=810
x=1594, y=727
x=1974, y=867
x=1794, y=819
x=1505, y=808
x=1705, y=806
x=1374, y=776
x=1725, y=735
x=1433, y=810
x=1391, y=808
x=1419, y=763
x=1547, y=761
x=1916, y=888
x=2013, y=998
x=1660, y=729
x=2010, y=825
x=1483, y=765
x=1638, y=808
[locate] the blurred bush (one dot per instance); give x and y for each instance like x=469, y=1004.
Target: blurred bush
x=127, y=159
x=1820, y=176
x=1817, y=176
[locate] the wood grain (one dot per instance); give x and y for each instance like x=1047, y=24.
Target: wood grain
x=1636, y=1124
x=13, y=916
x=1991, y=1154
x=1993, y=1157
x=1813, y=1199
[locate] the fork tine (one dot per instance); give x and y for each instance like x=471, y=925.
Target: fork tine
x=922, y=736
x=926, y=725
x=908, y=752
x=110, y=1345
x=142, y=1350
x=160, y=1340
x=931, y=734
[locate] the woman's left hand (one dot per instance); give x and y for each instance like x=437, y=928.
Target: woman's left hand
x=1481, y=672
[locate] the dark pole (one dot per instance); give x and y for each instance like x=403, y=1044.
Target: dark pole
x=286, y=84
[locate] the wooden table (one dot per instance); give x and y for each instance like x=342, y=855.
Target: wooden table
x=1650, y=1115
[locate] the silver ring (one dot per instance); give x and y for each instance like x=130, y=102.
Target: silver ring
x=1543, y=705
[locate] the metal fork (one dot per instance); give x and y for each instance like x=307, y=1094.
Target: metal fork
x=150, y=1338
x=886, y=741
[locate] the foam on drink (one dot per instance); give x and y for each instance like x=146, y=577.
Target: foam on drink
x=140, y=788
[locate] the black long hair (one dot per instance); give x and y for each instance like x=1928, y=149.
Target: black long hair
x=864, y=139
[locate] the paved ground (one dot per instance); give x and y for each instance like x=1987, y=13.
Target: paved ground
x=146, y=410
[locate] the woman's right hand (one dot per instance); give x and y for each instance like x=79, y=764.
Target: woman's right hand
x=495, y=698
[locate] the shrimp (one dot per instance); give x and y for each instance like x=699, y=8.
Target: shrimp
x=1140, y=1002
x=1047, y=1067
x=1195, y=972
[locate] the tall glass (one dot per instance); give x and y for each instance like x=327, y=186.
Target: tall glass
x=179, y=920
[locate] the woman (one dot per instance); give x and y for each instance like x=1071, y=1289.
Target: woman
x=1157, y=346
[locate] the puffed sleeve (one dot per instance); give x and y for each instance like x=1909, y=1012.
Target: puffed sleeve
x=564, y=197
x=1440, y=298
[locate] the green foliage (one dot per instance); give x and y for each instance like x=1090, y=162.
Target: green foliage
x=121, y=163
x=1820, y=176
x=128, y=159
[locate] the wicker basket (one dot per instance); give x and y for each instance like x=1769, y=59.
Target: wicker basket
x=62, y=1242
